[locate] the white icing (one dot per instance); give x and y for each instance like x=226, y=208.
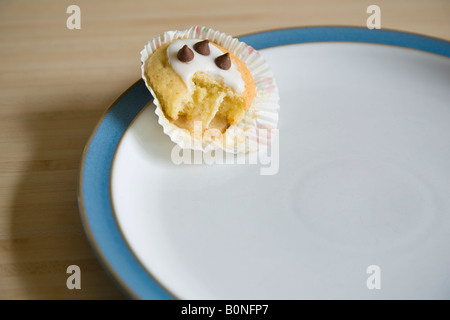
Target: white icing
x=231, y=77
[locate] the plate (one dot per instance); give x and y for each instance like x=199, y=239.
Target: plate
x=353, y=205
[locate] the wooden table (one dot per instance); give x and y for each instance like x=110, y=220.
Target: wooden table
x=55, y=83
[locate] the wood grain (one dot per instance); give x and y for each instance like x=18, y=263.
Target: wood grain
x=55, y=83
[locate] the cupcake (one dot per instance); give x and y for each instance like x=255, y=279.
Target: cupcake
x=210, y=90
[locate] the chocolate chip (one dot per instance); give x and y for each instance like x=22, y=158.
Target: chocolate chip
x=185, y=54
x=202, y=47
x=223, y=61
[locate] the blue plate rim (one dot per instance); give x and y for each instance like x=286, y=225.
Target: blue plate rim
x=94, y=196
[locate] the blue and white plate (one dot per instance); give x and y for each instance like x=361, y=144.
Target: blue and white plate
x=357, y=205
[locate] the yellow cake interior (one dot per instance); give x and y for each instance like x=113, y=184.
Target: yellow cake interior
x=209, y=100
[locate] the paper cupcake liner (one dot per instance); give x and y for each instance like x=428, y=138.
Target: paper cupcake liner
x=262, y=114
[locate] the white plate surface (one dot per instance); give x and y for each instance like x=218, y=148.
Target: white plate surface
x=363, y=179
